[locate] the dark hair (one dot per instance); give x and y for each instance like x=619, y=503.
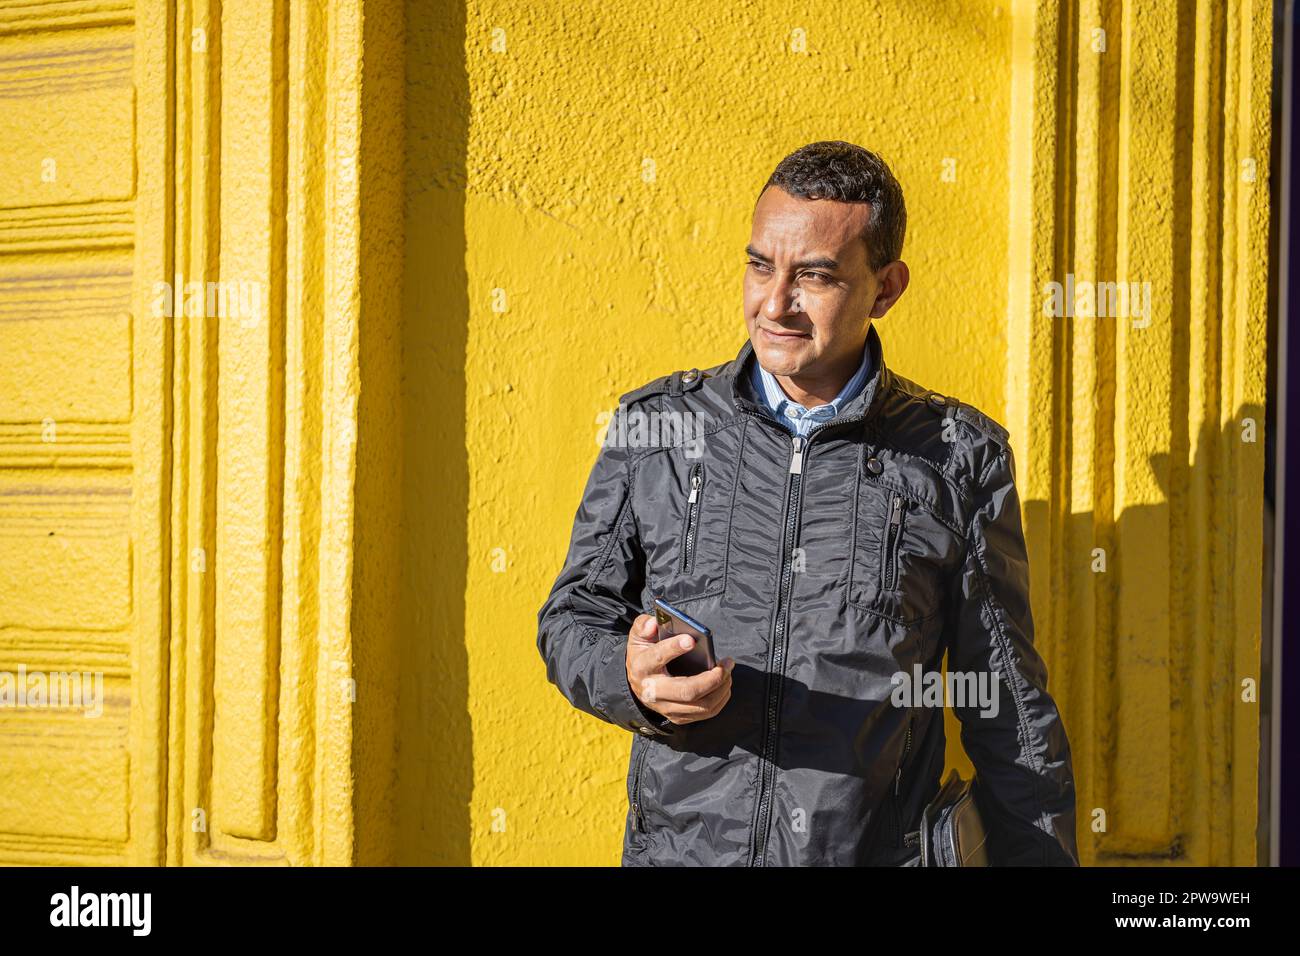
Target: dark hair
x=834, y=169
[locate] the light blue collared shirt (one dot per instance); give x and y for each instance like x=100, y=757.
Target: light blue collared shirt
x=800, y=420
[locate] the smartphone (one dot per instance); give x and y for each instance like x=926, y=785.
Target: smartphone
x=673, y=622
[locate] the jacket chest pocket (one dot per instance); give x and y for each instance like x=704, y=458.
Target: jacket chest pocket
x=686, y=530
x=902, y=553
x=691, y=519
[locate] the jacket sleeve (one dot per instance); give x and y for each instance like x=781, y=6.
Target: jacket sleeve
x=582, y=628
x=1024, y=782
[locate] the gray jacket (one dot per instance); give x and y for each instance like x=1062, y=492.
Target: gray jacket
x=826, y=567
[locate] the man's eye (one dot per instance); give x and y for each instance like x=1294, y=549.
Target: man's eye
x=820, y=277
x=757, y=265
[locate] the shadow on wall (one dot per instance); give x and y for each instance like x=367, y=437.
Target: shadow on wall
x=1144, y=658
x=434, y=743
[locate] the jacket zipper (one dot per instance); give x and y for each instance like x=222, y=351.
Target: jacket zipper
x=638, y=822
x=767, y=761
x=692, y=518
x=767, y=771
x=898, y=781
x=893, y=533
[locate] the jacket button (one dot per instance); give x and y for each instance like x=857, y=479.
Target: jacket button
x=874, y=466
x=937, y=399
x=647, y=731
x=688, y=377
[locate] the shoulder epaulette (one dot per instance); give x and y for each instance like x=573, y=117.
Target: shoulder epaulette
x=674, y=384
x=966, y=414
x=978, y=420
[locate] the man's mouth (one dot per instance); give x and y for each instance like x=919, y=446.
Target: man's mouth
x=785, y=335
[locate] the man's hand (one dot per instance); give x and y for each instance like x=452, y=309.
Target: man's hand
x=683, y=700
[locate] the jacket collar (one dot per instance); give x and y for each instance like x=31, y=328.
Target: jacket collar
x=863, y=407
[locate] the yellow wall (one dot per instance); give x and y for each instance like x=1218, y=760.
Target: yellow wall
x=378, y=478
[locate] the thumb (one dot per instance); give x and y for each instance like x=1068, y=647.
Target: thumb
x=645, y=630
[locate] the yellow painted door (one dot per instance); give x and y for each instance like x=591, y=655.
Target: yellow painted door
x=180, y=227
x=83, y=548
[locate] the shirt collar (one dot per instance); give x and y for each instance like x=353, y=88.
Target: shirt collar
x=774, y=397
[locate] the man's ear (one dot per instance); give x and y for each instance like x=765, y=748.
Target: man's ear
x=893, y=281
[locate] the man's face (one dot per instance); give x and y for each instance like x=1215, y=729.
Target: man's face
x=810, y=291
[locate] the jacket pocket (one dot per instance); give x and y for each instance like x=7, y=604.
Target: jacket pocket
x=890, y=539
x=638, y=765
x=904, y=552
x=691, y=518
x=683, y=521
x=896, y=794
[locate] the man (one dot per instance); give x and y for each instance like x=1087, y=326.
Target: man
x=838, y=528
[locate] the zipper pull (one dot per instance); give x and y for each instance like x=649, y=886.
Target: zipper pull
x=896, y=512
x=796, y=463
x=695, y=488
x=898, y=779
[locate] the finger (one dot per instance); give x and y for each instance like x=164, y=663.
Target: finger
x=698, y=686
x=687, y=690
x=644, y=649
x=702, y=710
x=670, y=648
x=644, y=631
x=705, y=707
x=712, y=702
x=649, y=657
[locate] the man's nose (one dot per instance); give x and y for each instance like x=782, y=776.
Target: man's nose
x=784, y=299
